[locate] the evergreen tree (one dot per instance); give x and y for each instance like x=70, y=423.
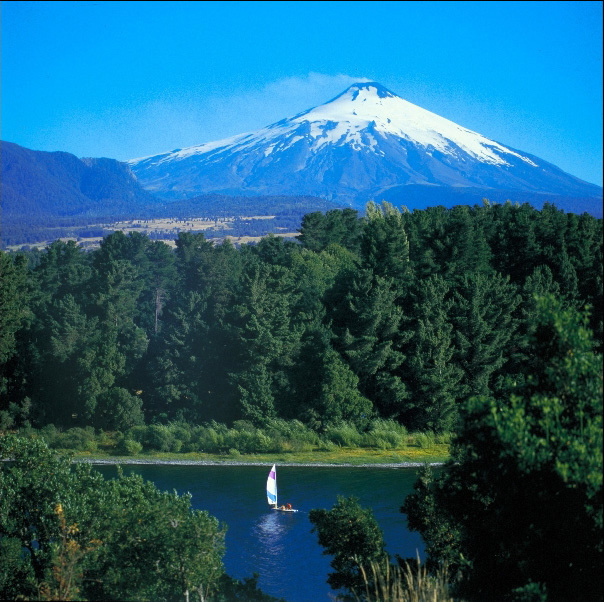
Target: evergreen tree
x=179, y=372
x=514, y=244
x=63, y=270
x=369, y=328
x=159, y=279
x=484, y=322
x=342, y=227
x=433, y=378
x=267, y=344
x=463, y=248
x=325, y=387
x=518, y=350
x=16, y=290
x=426, y=230
x=191, y=360
x=384, y=243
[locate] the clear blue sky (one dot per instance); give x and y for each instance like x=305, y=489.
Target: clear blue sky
x=129, y=79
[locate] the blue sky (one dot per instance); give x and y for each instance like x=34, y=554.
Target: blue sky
x=128, y=79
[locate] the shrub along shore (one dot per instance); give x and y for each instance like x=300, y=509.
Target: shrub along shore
x=287, y=442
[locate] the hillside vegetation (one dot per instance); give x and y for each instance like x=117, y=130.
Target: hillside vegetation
x=398, y=316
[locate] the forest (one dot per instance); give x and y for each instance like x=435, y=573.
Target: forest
x=395, y=315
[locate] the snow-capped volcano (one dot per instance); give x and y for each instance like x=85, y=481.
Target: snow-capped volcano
x=361, y=143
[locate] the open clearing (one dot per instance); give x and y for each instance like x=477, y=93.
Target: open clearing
x=167, y=229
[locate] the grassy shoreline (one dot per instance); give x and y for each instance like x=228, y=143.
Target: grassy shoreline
x=339, y=457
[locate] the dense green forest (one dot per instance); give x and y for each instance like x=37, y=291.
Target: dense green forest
x=394, y=315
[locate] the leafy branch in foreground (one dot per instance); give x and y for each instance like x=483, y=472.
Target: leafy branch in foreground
x=351, y=535
x=66, y=532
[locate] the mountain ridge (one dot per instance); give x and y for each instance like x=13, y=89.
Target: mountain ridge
x=59, y=184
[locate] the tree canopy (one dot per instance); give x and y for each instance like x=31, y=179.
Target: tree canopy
x=393, y=315
x=522, y=497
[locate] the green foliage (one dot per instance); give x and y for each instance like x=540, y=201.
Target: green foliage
x=384, y=245
x=425, y=440
x=116, y=539
x=76, y=438
x=523, y=499
x=319, y=230
x=117, y=409
x=16, y=290
x=129, y=447
x=434, y=379
x=395, y=315
x=353, y=538
x=426, y=321
x=333, y=395
x=278, y=436
x=385, y=434
x=345, y=435
x=409, y=582
x=484, y=322
x=368, y=325
x=158, y=437
x=426, y=514
x=14, y=300
x=246, y=590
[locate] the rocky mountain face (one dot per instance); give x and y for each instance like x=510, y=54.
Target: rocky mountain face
x=365, y=143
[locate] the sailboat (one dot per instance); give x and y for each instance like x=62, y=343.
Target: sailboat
x=271, y=492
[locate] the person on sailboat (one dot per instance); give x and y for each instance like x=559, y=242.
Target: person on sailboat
x=271, y=492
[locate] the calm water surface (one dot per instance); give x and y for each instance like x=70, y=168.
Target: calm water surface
x=278, y=545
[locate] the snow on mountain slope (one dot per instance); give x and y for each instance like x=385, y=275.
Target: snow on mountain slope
x=364, y=141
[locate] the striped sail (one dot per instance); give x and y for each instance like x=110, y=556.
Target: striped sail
x=271, y=486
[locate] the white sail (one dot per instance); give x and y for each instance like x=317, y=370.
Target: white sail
x=271, y=486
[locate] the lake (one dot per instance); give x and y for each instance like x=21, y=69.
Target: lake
x=279, y=545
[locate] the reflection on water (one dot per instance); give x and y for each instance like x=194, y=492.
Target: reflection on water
x=270, y=534
x=280, y=545
x=273, y=527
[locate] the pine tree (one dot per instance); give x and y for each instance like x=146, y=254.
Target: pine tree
x=368, y=324
x=16, y=291
x=433, y=378
x=341, y=227
x=267, y=343
x=464, y=246
x=325, y=387
x=384, y=243
x=484, y=322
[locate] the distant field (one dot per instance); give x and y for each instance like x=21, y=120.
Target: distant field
x=167, y=229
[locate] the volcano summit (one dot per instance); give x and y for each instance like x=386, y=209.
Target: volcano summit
x=365, y=143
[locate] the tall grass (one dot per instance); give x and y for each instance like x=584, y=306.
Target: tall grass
x=344, y=435
x=426, y=440
x=387, y=583
x=243, y=437
x=385, y=434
